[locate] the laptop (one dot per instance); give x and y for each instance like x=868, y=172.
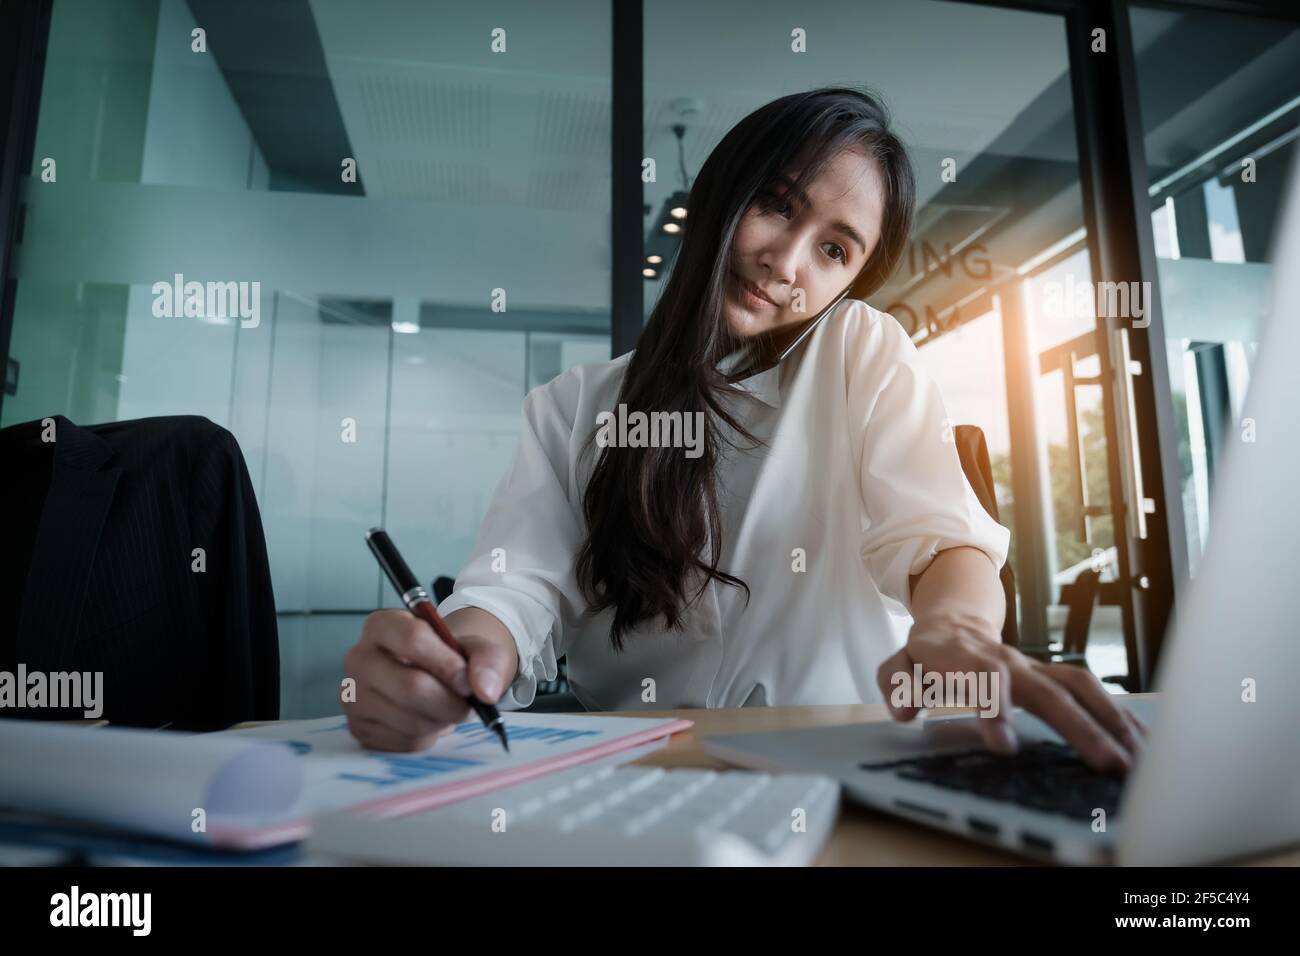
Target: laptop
x=1220, y=774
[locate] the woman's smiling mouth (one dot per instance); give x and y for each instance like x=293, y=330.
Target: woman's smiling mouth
x=750, y=294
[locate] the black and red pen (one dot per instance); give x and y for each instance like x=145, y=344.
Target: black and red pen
x=417, y=602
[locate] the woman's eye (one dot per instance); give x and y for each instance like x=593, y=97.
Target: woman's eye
x=774, y=203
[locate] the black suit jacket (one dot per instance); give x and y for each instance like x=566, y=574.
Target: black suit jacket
x=109, y=582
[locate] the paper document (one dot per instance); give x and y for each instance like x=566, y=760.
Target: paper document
x=197, y=788
x=259, y=786
x=467, y=761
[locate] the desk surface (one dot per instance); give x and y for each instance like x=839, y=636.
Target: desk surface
x=862, y=837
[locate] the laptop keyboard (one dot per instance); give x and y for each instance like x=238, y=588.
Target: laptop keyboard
x=1041, y=775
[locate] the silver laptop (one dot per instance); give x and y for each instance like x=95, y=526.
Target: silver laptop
x=1220, y=775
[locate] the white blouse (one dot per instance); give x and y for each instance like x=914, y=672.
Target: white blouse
x=859, y=487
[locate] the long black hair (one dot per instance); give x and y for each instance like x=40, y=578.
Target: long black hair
x=651, y=510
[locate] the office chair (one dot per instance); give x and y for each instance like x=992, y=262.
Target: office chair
x=974, y=455
x=136, y=550
x=1079, y=596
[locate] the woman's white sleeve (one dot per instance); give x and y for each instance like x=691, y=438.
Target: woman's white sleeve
x=917, y=499
x=521, y=567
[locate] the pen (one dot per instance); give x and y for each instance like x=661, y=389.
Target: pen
x=417, y=602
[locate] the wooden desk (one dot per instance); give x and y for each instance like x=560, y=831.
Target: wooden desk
x=862, y=837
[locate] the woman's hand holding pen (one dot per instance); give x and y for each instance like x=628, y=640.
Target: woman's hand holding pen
x=411, y=687
x=1069, y=698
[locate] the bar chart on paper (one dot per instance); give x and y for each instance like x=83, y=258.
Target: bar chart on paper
x=339, y=773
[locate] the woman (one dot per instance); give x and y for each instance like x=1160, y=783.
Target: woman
x=803, y=535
